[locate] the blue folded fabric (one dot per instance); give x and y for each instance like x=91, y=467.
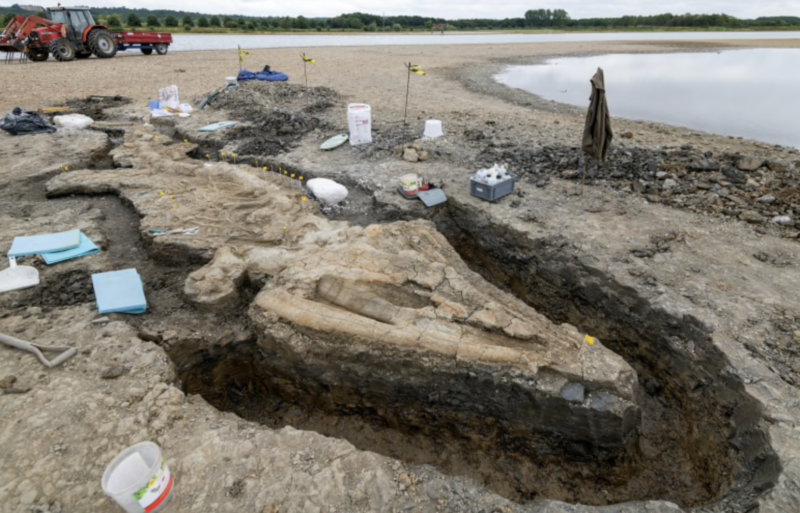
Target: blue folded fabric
x=45, y=243
x=119, y=292
x=85, y=247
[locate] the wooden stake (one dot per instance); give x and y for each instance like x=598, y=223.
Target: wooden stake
x=405, y=110
x=585, y=169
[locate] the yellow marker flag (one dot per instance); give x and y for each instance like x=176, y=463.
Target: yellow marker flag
x=242, y=53
x=307, y=59
x=414, y=68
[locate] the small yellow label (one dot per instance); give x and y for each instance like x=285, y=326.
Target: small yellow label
x=589, y=340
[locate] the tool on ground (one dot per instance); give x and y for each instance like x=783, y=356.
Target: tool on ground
x=66, y=352
x=17, y=276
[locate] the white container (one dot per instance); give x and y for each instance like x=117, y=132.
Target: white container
x=231, y=80
x=410, y=184
x=138, y=479
x=433, y=129
x=359, y=121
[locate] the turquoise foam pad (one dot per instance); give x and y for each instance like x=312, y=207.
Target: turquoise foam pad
x=119, y=292
x=86, y=247
x=44, y=243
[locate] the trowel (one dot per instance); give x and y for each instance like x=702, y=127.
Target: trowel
x=17, y=276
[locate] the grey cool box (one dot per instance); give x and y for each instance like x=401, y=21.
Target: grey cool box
x=492, y=192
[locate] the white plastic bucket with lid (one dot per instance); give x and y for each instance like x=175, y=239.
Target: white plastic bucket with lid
x=138, y=479
x=359, y=121
x=433, y=129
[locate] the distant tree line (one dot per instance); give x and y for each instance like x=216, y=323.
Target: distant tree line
x=120, y=17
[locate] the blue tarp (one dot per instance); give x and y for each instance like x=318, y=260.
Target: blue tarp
x=265, y=76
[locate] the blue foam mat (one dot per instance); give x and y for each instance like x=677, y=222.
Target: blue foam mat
x=119, y=292
x=86, y=247
x=44, y=243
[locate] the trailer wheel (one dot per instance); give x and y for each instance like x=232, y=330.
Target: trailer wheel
x=161, y=48
x=102, y=44
x=147, y=51
x=63, y=49
x=38, y=55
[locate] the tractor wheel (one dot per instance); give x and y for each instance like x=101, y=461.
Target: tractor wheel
x=83, y=55
x=38, y=55
x=147, y=51
x=161, y=48
x=102, y=44
x=63, y=49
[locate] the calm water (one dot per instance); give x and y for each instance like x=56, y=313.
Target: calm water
x=227, y=42
x=749, y=93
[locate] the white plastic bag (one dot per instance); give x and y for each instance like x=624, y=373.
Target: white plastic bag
x=168, y=97
x=72, y=121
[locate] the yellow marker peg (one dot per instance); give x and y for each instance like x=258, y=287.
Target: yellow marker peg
x=161, y=193
x=303, y=199
x=589, y=340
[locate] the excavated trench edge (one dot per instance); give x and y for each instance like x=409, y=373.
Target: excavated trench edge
x=677, y=354
x=717, y=427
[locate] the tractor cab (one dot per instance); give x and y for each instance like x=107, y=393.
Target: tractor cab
x=76, y=21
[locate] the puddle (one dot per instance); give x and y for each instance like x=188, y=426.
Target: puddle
x=744, y=93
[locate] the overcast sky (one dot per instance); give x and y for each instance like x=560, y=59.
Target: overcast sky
x=455, y=9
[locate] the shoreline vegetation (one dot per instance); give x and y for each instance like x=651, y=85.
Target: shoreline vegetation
x=539, y=21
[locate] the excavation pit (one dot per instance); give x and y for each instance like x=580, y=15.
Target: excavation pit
x=356, y=332
x=693, y=436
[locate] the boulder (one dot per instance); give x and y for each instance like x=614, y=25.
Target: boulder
x=749, y=163
x=734, y=175
x=777, y=166
x=410, y=155
x=752, y=217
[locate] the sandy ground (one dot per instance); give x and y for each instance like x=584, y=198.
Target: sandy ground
x=373, y=75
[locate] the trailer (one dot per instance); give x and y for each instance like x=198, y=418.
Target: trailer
x=144, y=41
x=71, y=33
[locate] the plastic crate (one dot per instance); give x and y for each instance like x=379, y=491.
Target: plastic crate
x=492, y=192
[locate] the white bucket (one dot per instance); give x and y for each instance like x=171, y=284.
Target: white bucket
x=433, y=129
x=359, y=121
x=138, y=479
x=232, y=80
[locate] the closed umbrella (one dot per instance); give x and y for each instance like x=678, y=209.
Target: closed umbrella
x=597, y=132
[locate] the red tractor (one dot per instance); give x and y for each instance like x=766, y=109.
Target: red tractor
x=71, y=33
